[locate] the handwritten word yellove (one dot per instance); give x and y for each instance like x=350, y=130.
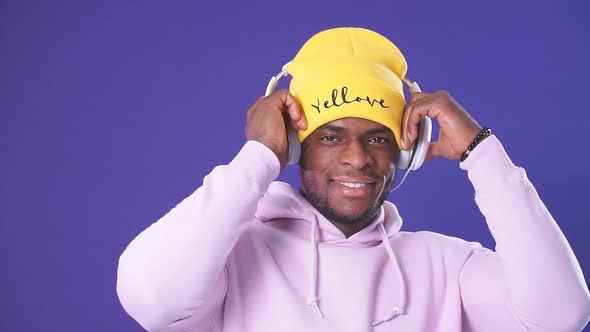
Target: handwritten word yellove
x=339, y=99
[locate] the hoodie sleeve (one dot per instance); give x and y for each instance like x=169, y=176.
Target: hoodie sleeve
x=533, y=280
x=172, y=275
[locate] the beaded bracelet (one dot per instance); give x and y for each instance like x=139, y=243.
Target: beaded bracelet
x=485, y=132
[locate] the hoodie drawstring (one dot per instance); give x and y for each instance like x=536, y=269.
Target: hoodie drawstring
x=313, y=299
x=396, y=310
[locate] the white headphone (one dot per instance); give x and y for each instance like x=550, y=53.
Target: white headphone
x=410, y=160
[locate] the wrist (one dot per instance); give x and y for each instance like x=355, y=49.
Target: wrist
x=482, y=135
x=258, y=162
x=276, y=149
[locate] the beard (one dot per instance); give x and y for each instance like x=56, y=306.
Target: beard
x=321, y=202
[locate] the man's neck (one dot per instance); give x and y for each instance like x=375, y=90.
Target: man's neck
x=350, y=229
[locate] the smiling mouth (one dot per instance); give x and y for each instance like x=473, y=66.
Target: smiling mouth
x=352, y=184
x=354, y=187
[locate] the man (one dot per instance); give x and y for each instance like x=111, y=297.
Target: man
x=244, y=253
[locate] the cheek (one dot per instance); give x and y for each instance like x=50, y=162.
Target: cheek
x=386, y=161
x=312, y=181
x=316, y=159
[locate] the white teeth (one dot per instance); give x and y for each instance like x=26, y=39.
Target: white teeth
x=352, y=185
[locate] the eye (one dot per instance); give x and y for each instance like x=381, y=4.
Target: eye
x=377, y=140
x=328, y=138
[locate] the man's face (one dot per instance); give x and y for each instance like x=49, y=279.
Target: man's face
x=347, y=169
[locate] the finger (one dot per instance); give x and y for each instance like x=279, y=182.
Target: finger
x=407, y=112
x=290, y=122
x=418, y=109
x=417, y=96
x=293, y=110
x=404, y=121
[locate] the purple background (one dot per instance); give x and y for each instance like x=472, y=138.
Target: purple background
x=110, y=114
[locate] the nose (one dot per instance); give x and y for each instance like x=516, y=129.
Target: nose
x=355, y=154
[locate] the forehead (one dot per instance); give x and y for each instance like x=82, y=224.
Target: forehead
x=357, y=125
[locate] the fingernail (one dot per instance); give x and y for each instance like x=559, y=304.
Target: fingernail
x=403, y=143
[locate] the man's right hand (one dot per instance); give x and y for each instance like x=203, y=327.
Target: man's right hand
x=266, y=121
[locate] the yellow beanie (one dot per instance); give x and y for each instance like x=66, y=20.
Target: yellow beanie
x=349, y=72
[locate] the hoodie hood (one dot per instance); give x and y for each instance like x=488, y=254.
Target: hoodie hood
x=282, y=201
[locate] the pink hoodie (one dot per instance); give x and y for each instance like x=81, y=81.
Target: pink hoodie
x=244, y=253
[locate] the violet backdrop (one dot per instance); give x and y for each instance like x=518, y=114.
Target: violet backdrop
x=112, y=112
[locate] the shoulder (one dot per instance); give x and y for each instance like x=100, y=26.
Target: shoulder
x=435, y=245
x=437, y=240
x=434, y=238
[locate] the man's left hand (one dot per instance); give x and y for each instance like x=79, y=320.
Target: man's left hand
x=457, y=127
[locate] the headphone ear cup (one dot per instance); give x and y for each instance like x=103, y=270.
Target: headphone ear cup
x=414, y=158
x=422, y=143
x=404, y=159
x=294, y=149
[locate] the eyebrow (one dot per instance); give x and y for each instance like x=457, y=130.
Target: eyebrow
x=333, y=128
x=379, y=130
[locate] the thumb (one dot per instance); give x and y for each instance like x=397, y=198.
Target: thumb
x=433, y=150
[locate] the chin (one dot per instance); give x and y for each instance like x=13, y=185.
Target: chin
x=348, y=217
x=342, y=209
